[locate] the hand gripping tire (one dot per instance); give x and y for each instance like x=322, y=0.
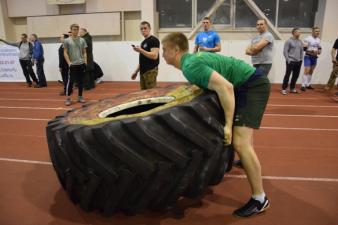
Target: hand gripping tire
x=140, y=150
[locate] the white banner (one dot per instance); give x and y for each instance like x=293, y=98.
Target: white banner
x=10, y=69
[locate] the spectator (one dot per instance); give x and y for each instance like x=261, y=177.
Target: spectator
x=88, y=81
x=207, y=40
x=63, y=65
x=148, y=58
x=25, y=58
x=334, y=73
x=76, y=58
x=293, y=53
x=312, y=49
x=38, y=59
x=261, y=48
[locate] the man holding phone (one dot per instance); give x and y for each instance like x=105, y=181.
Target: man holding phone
x=148, y=58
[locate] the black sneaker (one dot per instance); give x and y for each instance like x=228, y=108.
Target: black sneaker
x=251, y=208
x=310, y=87
x=302, y=89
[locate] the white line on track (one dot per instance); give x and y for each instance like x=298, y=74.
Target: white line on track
x=38, y=108
x=299, y=128
x=22, y=135
x=31, y=99
x=305, y=106
x=18, y=118
x=300, y=115
x=25, y=161
x=313, y=179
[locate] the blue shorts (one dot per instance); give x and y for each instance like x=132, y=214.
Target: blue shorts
x=310, y=61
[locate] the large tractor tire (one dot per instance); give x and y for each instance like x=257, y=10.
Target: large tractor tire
x=140, y=150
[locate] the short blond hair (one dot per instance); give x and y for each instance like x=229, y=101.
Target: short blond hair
x=177, y=39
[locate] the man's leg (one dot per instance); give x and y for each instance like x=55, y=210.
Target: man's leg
x=242, y=142
x=289, y=67
x=332, y=79
x=150, y=78
x=41, y=73
x=23, y=64
x=295, y=74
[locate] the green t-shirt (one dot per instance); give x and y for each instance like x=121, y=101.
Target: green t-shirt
x=198, y=67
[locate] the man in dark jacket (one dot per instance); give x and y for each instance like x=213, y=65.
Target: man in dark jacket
x=25, y=58
x=63, y=65
x=89, y=81
x=38, y=59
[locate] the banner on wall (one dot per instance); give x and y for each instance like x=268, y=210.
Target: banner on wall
x=10, y=69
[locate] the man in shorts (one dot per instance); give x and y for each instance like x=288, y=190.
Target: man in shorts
x=243, y=92
x=312, y=50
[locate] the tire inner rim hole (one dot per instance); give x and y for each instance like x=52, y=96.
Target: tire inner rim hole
x=135, y=107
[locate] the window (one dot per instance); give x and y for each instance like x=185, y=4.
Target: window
x=175, y=13
x=236, y=13
x=297, y=13
x=268, y=7
x=244, y=16
x=222, y=15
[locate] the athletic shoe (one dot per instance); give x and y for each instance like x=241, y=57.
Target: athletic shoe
x=294, y=91
x=302, y=89
x=68, y=102
x=284, y=92
x=80, y=99
x=310, y=87
x=251, y=208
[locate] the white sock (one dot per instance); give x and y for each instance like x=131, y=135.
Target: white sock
x=304, y=80
x=259, y=198
x=309, y=79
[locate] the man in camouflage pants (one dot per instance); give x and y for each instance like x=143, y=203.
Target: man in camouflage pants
x=148, y=59
x=334, y=73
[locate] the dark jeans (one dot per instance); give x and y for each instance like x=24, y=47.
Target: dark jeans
x=64, y=75
x=264, y=68
x=41, y=73
x=76, y=73
x=28, y=71
x=293, y=67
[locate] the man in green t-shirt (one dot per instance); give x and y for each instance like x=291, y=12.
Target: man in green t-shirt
x=243, y=93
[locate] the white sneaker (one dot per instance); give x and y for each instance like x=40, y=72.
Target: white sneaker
x=284, y=92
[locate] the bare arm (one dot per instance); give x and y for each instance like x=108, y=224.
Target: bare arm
x=153, y=54
x=10, y=43
x=65, y=54
x=254, y=49
x=196, y=48
x=84, y=53
x=217, y=48
x=225, y=92
x=134, y=75
x=333, y=55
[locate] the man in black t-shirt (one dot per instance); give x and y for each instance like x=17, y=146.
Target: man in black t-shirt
x=148, y=59
x=334, y=73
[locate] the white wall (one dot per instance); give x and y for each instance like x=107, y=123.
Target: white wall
x=118, y=61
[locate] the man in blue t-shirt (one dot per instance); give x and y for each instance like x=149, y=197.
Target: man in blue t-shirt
x=207, y=40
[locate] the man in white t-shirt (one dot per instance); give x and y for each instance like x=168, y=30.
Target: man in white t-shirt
x=312, y=49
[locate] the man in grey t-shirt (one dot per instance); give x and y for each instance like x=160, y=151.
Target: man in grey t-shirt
x=261, y=48
x=76, y=57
